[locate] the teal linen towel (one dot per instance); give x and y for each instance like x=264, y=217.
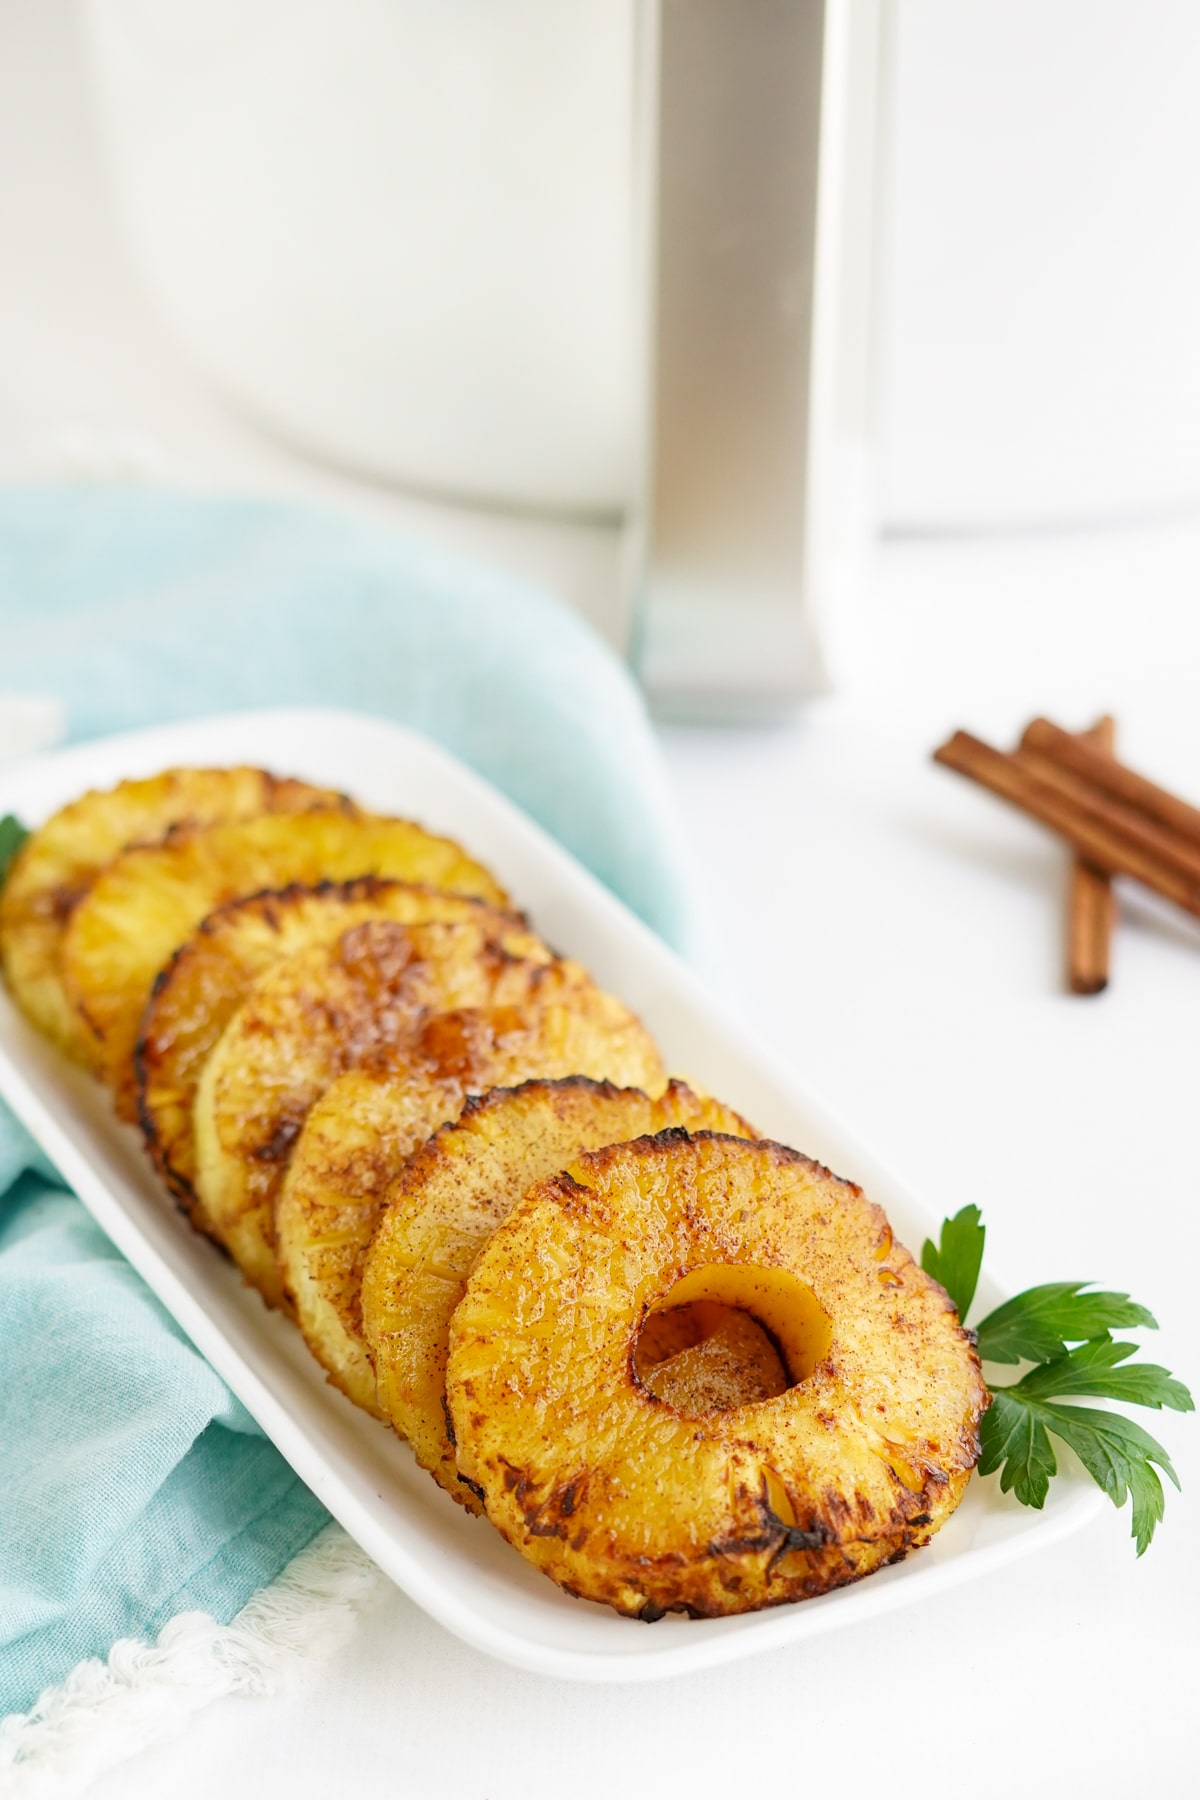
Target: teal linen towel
x=135, y=608
x=132, y=1485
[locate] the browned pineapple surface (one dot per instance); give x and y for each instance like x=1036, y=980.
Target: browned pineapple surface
x=441, y=1004
x=358, y=1136
x=451, y=1195
x=622, y=1497
x=148, y=901
x=368, y=998
x=211, y=974
x=58, y=863
x=354, y=1141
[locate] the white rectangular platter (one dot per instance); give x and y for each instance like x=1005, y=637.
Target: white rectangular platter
x=454, y=1566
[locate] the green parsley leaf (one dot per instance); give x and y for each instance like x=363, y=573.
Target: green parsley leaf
x=1093, y=1369
x=1013, y=1440
x=1037, y=1325
x=1148, y=1503
x=12, y=836
x=1117, y=1454
x=955, y=1263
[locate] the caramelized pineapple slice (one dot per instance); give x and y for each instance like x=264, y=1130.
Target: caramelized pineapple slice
x=358, y=1137
x=147, y=901
x=442, y=1003
x=58, y=863
x=449, y=1198
x=355, y=1139
x=622, y=1496
x=211, y=974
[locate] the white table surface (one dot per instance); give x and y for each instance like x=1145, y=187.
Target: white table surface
x=896, y=935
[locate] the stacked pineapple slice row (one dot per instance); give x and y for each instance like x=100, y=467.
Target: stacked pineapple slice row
x=679, y=1368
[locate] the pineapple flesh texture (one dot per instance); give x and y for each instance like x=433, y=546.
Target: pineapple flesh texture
x=357, y=1138
x=147, y=902
x=58, y=863
x=209, y=976
x=622, y=1497
x=447, y=1202
x=444, y=1004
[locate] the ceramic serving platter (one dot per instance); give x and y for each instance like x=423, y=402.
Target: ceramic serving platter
x=454, y=1566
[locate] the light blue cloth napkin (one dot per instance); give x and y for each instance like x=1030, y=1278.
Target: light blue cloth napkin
x=132, y=1485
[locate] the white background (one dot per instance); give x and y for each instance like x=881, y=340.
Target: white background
x=1041, y=360
x=897, y=937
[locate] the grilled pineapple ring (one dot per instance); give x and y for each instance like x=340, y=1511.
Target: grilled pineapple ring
x=359, y=1133
x=451, y=1195
x=59, y=862
x=370, y=997
x=447, y=1003
x=147, y=901
x=358, y=1136
x=208, y=978
x=621, y=1498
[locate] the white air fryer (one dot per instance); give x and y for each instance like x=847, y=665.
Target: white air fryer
x=602, y=257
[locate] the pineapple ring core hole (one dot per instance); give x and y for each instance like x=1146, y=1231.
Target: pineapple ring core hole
x=730, y=1334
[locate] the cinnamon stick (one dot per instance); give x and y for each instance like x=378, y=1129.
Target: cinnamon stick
x=1098, y=829
x=1114, y=778
x=1096, y=803
x=1091, y=905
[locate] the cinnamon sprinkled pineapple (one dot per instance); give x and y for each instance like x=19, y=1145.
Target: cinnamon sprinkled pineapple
x=58, y=863
x=148, y=901
x=450, y=1197
x=622, y=1496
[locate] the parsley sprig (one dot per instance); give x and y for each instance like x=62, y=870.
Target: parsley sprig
x=1065, y=1331
x=12, y=836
